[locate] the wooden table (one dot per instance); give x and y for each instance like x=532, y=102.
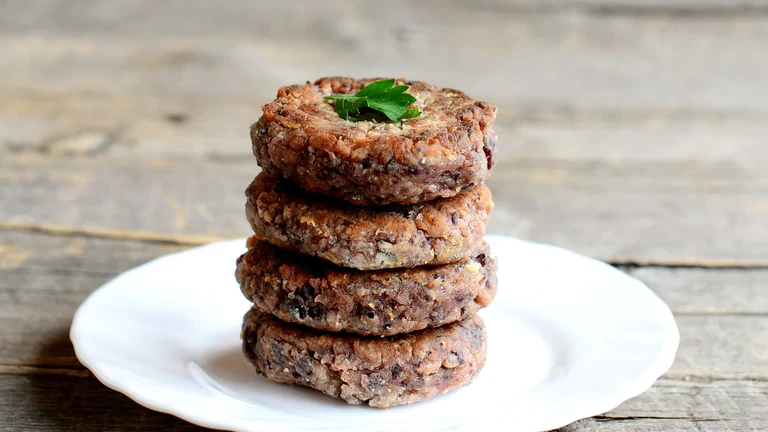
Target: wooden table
x=631, y=131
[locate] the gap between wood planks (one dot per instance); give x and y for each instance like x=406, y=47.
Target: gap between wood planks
x=138, y=236
x=633, y=418
x=186, y=240
x=676, y=11
x=16, y=369
x=679, y=10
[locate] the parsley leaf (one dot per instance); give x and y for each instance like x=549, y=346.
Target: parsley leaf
x=382, y=96
x=351, y=105
x=411, y=113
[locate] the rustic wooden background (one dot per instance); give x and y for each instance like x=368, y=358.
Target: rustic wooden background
x=632, y=131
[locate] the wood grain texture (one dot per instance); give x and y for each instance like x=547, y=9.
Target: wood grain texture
x=691, y=400
x=45, y=402
x=620, y=212
x=633, y=131
x=715, y=291
x=63, y=125
x=67, y=403
x=645, y=424
x=624, y=211
x=572, y=61
x=722, y=347
x=40, y=292
x=44, y=279
x=19, y=13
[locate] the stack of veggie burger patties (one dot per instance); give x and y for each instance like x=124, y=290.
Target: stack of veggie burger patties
x=368, y=264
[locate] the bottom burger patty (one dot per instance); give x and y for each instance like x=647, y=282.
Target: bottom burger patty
x=379, y=371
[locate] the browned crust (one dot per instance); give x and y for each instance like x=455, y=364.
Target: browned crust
x=448, y=149
x=437, y=232
x=305, y=290
x=382, y=372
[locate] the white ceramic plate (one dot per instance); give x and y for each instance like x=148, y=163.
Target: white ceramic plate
x=569, y=337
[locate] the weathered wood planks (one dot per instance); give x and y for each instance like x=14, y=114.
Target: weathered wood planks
x=46, y=402
x=704, y=290
x=667, y=213
x=652, y=424
x=43, y=402
x=633, y=131
x=567, y=59
x=43, y=279
x=66, y=125
x=46, y=277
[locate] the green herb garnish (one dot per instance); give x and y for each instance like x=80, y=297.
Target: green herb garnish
x=381, y=96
